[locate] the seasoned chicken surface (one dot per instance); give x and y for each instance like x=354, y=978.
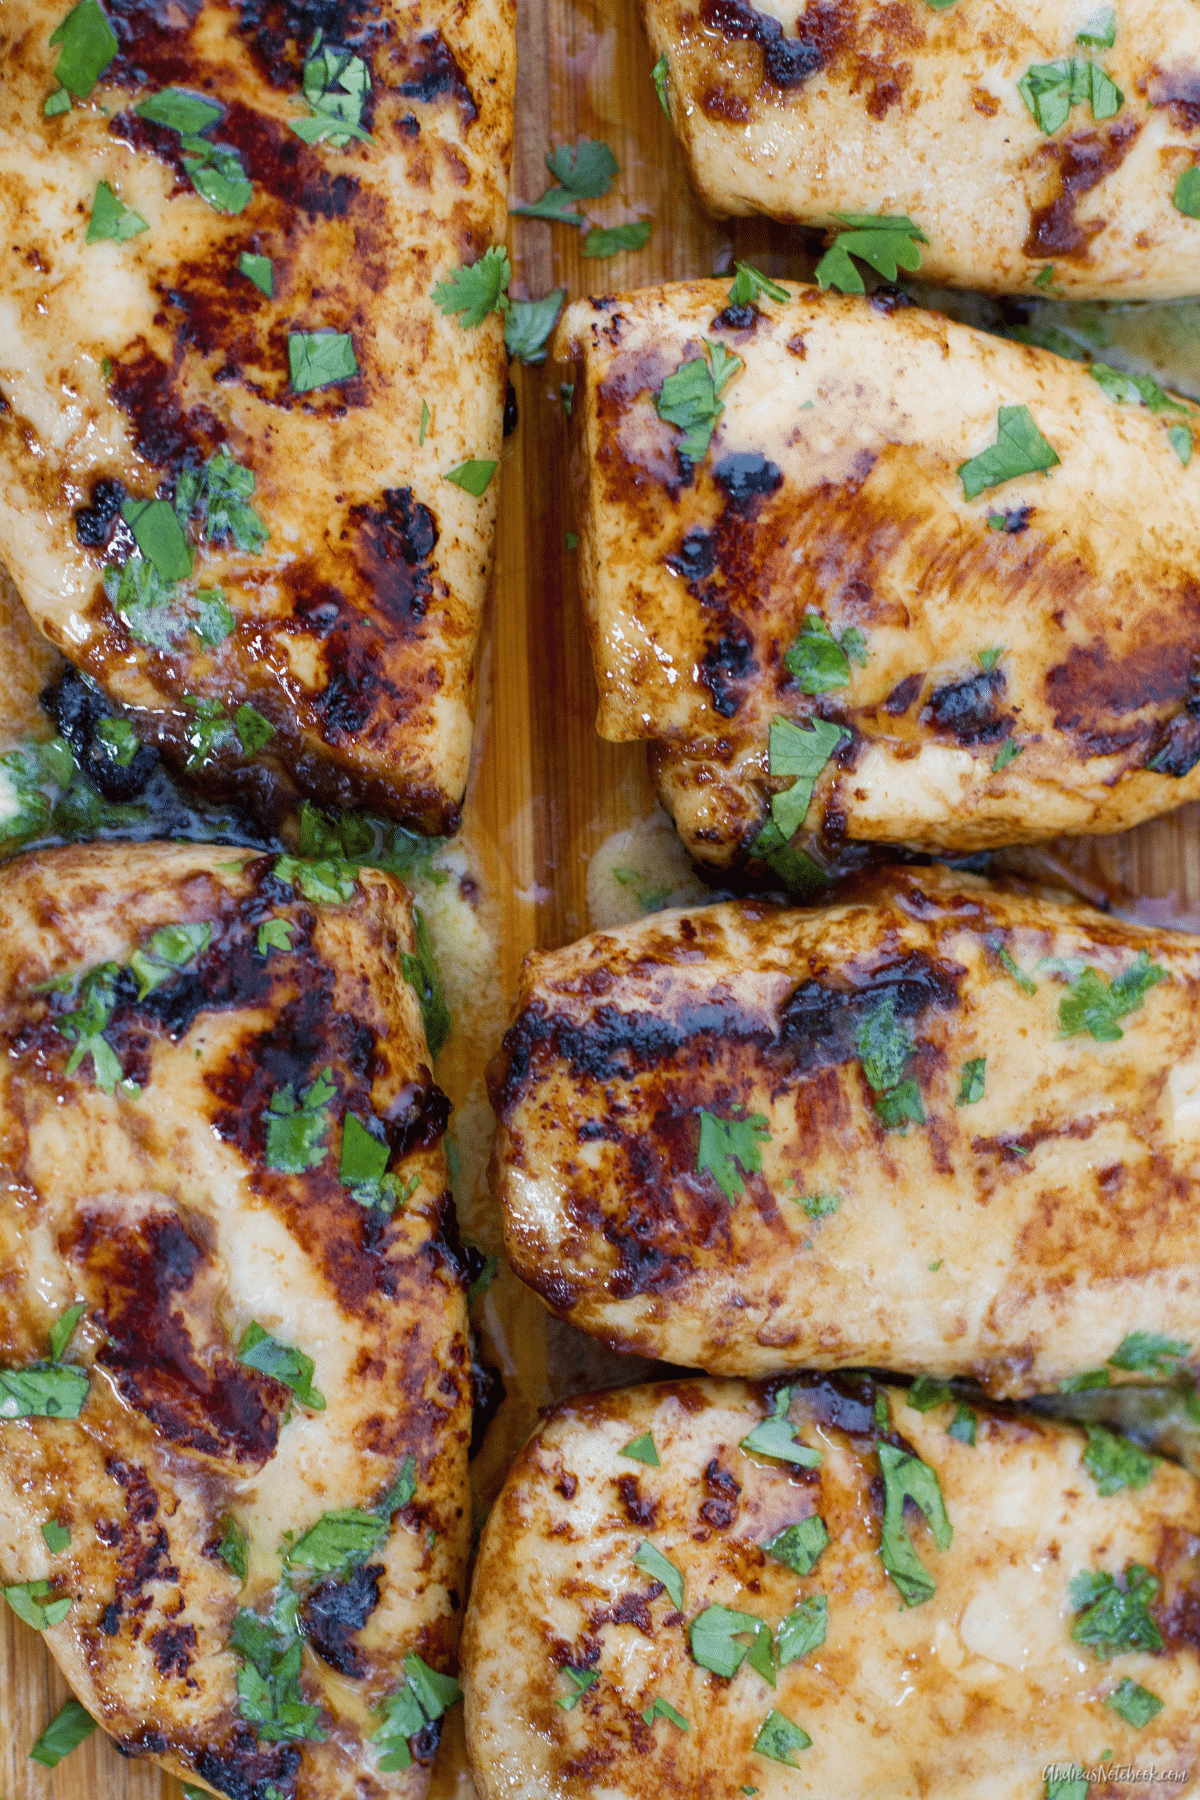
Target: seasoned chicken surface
x=1009, y=665
x=214, y=295
x=939, y=1128
x=258, y=1517
x=872, y=1652
x=859, y=107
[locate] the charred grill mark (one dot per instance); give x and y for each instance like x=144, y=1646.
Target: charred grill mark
x=173, y=1647
x=147, y=390
x=1179, y=91
x=727, y=668
x=818, y=1024
x=1178, y=748
x=334, y=1610
x=737, y=318
x=1084, y=160
x=1093, y=688
x=967, y=710
x=155, y=45
x=397, y=541
x=143, y=1549
x=78, y=710
x=243, y=1771
x=787, y=62
x=720, y=1509
x=903, y=695
x=746, y=476
x=638, y=1511
x=214, y=1408
x=430, y=70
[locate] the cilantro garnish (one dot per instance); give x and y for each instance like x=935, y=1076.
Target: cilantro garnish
x=88, y=44
x=585, y=172
x=1025, y=982
x=31, y=1601
x=749, y=283
x=143, y=599
x=713, y=1636
x=528, y=324
x=779, y=1737
x=421, y=973
x=170, y=949
x=1114, y=1463
x=336, y=84
x=641, y=1449
x=799, y=1547
x=926, y=1392
x=652, y=1562
x=1186, y=197
x=318, y=359
x=340, y=1540
x=1094, y=1005
x=1007, y=753
x=426, y=1695
x=85, y=1024
x=1132, y=389
x=650, y=899
x=326, y=880
x=66, y=1731
x=181, y=111
x=260, y=270
x=233, y=1548
x=962, y=1426
x=219, y=492
x=1067, y=1787
x=207, y=731
x=803, y=755
x=907, y=1477
x=159, y=536
x=274, y=934
x=1101, y=32
x=776, y=1436
x=1050, y=90
x=213, y=620
x=363, y=1168
x=252, y=729
x=888, y=244
x=688, y=398
x=884, y=1045
x=662, y=1709
x=971, y=1082
x=1148, y=1353
x=1182, y=441
x=1114, y=1613
x=803, y=1629
x=57, y=1537
x=1135, y=1704
x=476, y=289
x=54, y=104
x=215, y=169
x=1086, y=1382
x=42, y=1390
x=268, y=1683
x=259, y=1350
x=296, y=1129
x=1020, y=449
x=818, y=1206
x=120, y=740
x=603, y=241
x=729, y=1149
x=659, y=73
x=111, y=218
x=473, y=476
x=581, y=1680
x=819, y=659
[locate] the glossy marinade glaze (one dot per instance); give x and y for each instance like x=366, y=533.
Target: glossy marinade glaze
x=872, y=106
x=950, y=1148
x=972, y=1689
x=1022, y=656
x=177, y=1213
x=128, y=365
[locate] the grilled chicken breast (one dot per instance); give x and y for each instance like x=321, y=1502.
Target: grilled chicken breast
x=939, y=1129
x=260, y=346
x=861, y=107
x=1003, y=666
x=259, y=1515
x=876, y=1656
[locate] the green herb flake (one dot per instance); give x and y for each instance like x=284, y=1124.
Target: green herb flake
x=1007, y=753
x=120, y=740
x=641, y=1449
x=213, y=620
x=713, y=1636
x=528, y=325
x=779, y=1738
x=326, y=881
x=219, y=493
x=1182, y=441
x=803, y=755
x=818, y=1206
x=748, y=286
x=1067, y=1787
x=907, y=1477
x=233, y=1547
x=112, y=219
x=31, y=1602
x=1085, y=1383
x=259, y=1350
x=659, y=73
x=217, y=174
x=887, y=243
x=799, y=1547
x=63, y=1330
x=471, y=292
x=728, y=1150
x=1114, y=1463
x=421, y=973
x=335, y=84
x=1045, y=277
x=1134, y=389
x=341, y=1540
x=67, y=1730
x=987, y=659
x=1020, y=449
x=159, y=537
x=819, y=660
x=181, y=111
x=652, y=1562
x=1148, y=1353
x=1186, y=197
x=689, y=398
x=268, y=1682
x=962, y=1426
x=1136, y=1705
x=57, y=102
x=425, y=417
x=608, y=241
x=926, y=1393
x=318, y=359
x=473, y=476
x=296, y=1129
x=776, y=1436
x=170, y=948
x=662, y=1709
x=971, y=1081
x=1114, y=1615
x=556, y=207
x=1101, y=31
x=581, y=1680
x=803, y=1629
x=363, y=1168
x=253, y=730
x=588, y=168
x=88, y=44
x=900, y=1107
x=1050, y=90
x=259, y=270
x=58, y=1537
x=1093, y=1004
x=1025, y=982
x=884, y=1045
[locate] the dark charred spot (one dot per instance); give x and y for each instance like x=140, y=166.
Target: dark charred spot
x=1178, y=751
x=967, y=710
x=720, y=1509
x=695, y=558
x=638, y=1510
x=746, y=476
x=887, y=300
x=787, y=62
x=1084, y=159
x=737, y=318
x=397, y=541
x=1016, y=519
x=634, y=1609
x=819, y=1024
x=78, y=709
x=1179, y=91
x=335, y=1610
x=903, y=695
x=1093, y=689
x=95, y=523
x=429, y=71
x=173, y=1647
x=487, y=1397
x=147, y=390
x=726, y=666
x=243, y=1771
x=110, y=1619
x=280, y=31
x=424, y=1745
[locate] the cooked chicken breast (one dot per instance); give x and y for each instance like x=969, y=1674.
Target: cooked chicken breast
x=259, y=1514
x=218, y=291
x=940, y=1128
x=859, y=107
x=667, y=1601
x=1009, y=655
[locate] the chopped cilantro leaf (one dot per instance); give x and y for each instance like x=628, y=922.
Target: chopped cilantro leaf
x=581, y=1680
x=472, y=476
x=802, y=754
x=363, y=1168
x=926, y=1393
x=57, y=102
x=268, y=1682
x=649, y=898
x=888, y=244
x=1148, y=1353
x=659, y=73
x=159, y=537
x=63, y=1330
x=421, y=973
x=713, y=1636
x=67, y=1730
x=728, y=1150
x=1094, y=1005
x=181, y=111
x=652, y=1562
x=971, y=1082
x=476, y=289
x=143, y=600
x=1085, y=1383
x=1135, y=1704
x=588, y=169
x=818, y=1206
x=253, y=730
x=31, y=1602
x=900, y=1106
x=689, y=398
x=1020, y=449
x=556, y=206
x=259, y=270
x=819, y=660
x=296, y=1130
x=662, y=1709
x=233, y=1548
x=884, y=1045
x=1025, y=982
x=119, y=739
x=318, y=359
x=1114, y=1463
x=907, y=1477
x=88, y=44
x=1186, y=197
x=799, y=1547
x=217, y=174
x=641, y=1449
x=213, y=620
x=607, y=241
x=170, y=948
x=40, y=1390
x=1007, y=753
x=259, y=1350
x=529, y=323
x=1114, y=1615
x=111, y=218
x=1050, y=90
x=779, y=1737
x=962, y=1426
x=1067, y=1787
x=1101, y=31
x=219, y=492
x=1134, y=389
x=749, y=283
x=1182, y=441
x=340, y=1540
x=425, y=417
x=776, y=1436
x=324, y=880
x=336, y=84
x=987, y=659
x=58, y=1537
x=803, y=1629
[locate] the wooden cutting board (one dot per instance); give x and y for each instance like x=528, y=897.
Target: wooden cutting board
x=545, y=791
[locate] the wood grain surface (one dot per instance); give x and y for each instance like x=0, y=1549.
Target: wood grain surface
x=545, y=791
